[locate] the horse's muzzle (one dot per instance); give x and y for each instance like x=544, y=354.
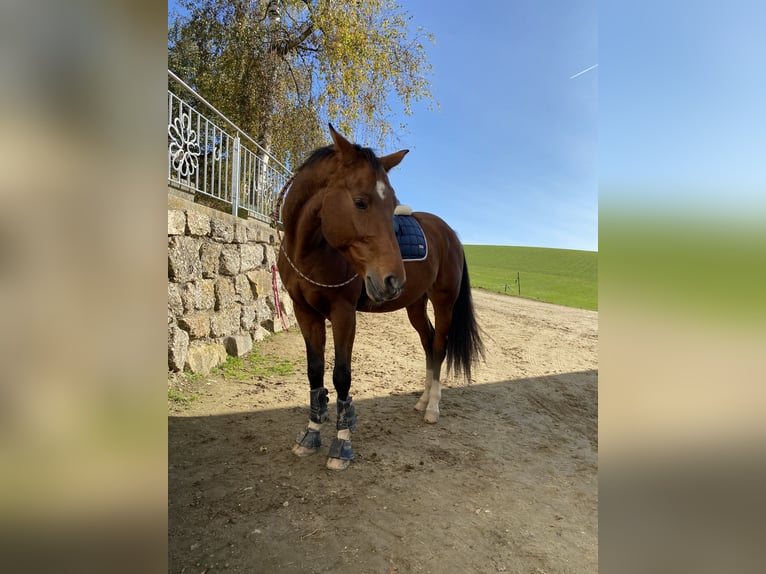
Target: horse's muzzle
x=387, y=290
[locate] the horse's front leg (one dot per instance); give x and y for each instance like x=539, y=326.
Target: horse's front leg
x=314, y=334
x=343, y=329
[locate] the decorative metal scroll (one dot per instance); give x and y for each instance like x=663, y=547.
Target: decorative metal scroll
x=184, y=145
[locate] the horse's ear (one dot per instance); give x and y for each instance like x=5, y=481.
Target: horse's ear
x=342, y=145
x=392, y=160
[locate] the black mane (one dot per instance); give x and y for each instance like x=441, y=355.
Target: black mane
x=328, y=151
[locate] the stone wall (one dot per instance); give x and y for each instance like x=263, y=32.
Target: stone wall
x=220, y=293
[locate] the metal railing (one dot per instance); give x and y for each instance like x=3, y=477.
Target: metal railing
x=215, y=158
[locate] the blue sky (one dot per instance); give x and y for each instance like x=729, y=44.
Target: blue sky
x=682, y=107
x=510, y=156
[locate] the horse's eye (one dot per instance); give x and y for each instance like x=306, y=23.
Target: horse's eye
x=360, y=203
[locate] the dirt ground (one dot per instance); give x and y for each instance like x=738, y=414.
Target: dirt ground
x=506, y=481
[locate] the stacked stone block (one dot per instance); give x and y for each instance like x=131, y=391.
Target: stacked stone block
x=220, y=294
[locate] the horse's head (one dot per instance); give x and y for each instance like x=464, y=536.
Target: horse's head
x=357, y=216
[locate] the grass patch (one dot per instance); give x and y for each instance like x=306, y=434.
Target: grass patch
x=195, y=378
x=562, y=276
x=255, y=364
x=693, y=266
x=178, y=397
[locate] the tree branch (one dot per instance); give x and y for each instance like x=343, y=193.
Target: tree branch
x=295, y=80
x=294, y=43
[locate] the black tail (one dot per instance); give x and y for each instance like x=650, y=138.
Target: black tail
x=464, y=345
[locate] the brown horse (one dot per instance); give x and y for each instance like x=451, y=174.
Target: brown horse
x=339, y=254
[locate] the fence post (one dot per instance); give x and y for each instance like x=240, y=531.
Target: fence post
x=235, y=177
x=518, y=280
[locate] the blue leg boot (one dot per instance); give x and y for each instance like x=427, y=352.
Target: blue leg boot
x=341, y=454
x=309, y=441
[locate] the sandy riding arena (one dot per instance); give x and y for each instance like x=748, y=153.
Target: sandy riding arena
x=504, y=482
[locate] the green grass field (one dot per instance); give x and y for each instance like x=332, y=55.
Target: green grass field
x=561, y=276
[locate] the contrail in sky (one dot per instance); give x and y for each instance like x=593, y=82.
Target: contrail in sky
x=585, y=70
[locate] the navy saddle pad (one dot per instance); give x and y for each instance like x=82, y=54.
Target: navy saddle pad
x=412, y=240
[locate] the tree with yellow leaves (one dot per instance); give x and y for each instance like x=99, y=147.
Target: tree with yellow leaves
x=282, y=69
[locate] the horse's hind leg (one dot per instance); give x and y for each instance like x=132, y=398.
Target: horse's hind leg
x=418, y=316
x=313, y=329
x=442, y=319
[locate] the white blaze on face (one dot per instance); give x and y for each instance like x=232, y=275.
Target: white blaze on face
x=380, y=187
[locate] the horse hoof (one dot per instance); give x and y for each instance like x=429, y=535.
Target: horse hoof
x=431, y=417
x=337, y=464
x=421, y=406
x=300, y=450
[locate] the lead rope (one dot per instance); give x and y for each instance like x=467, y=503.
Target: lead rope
x=276, y=297
x=275, y=223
